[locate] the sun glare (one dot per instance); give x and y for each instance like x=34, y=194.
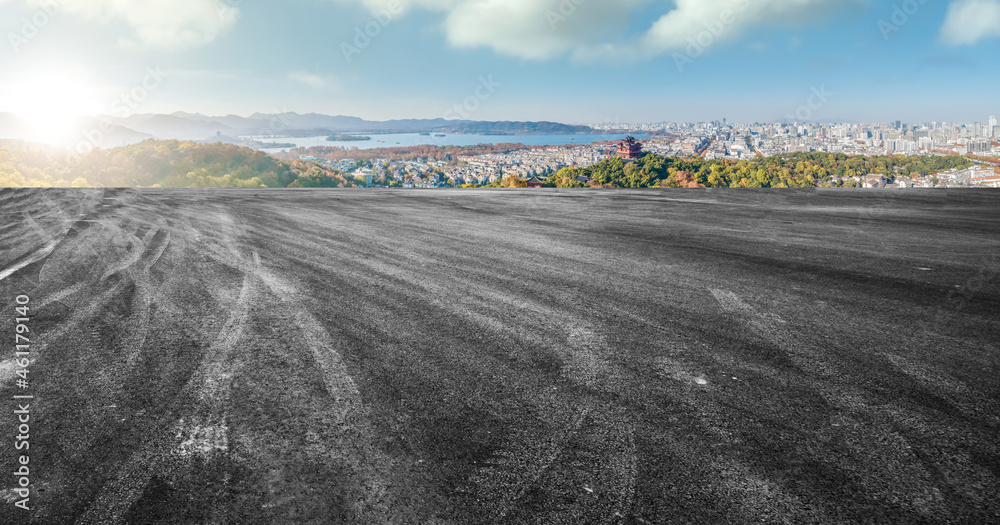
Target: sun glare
x=52, y=102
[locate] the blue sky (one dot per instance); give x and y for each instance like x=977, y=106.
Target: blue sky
x=572, y=61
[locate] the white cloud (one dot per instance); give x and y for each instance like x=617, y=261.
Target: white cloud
x=171, y=24
x=594, y=29
x=969, y=21
x=535, y=29
x=310, y=79
x=696, y=25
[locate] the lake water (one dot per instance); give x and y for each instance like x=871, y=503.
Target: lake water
x=404, y=140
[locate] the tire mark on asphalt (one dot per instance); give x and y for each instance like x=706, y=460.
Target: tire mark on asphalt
x=212, y=383
x=151, y=247
x=206, y=433
x=868, y=440
x=338, y=381
x=583, y=365
x=582, y=350
x=584, y=362
x=130, y=479
x=517, y=468
x=7, y=369
x=945, y=456
x=758, y=499
x=138, y=247
x=581, y=347
x=398, y=268
x=134, y=336
x=135, y=329
x=604, y=464
x=29, y=260
x=380, y=500
x=867, y=433
x=773, y=329
x=158, y=251
x=86, y=313
x=59, y=296
x=630, y=470
x=373, y=468
x=735, y=306
x=77, y=246
x=36, y=228
x=955, y=392
x=588, y=467
x=187, y=440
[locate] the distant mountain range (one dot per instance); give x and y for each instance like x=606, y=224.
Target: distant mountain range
x=112, y=131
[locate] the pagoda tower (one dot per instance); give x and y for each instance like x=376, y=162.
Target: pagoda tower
x=629, y=148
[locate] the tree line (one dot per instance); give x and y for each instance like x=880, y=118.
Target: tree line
x=793, y=170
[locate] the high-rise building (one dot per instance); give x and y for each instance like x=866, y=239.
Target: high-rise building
x=991, y=129
x=979, y=146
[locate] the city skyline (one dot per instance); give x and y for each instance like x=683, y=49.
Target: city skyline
x=571, y=61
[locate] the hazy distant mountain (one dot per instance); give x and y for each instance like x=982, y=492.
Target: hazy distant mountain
x=236, y=122
x=512, y=128
x=291, y=123
x=286, y=121
x=93, y=131
x=174, y=127
x=196, y=126
x=192, y=116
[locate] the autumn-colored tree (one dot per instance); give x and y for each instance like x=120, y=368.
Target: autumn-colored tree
x=513, y=181
x=686, y=179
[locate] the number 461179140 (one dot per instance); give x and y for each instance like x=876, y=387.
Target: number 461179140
x=21, y=341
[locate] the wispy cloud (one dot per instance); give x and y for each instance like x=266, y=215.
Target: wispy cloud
x=169, y=24
x=311, y=79
x=969, y=21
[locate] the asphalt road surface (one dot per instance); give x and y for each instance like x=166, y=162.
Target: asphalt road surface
x=536, y=356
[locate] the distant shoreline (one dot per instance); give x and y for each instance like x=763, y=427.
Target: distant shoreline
x=347, y=138
x=375, y=140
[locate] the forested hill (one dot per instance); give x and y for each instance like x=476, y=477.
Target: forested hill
x=792, y=170
x=166, y=164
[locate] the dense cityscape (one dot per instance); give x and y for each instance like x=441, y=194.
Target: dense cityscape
x=710, y=141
